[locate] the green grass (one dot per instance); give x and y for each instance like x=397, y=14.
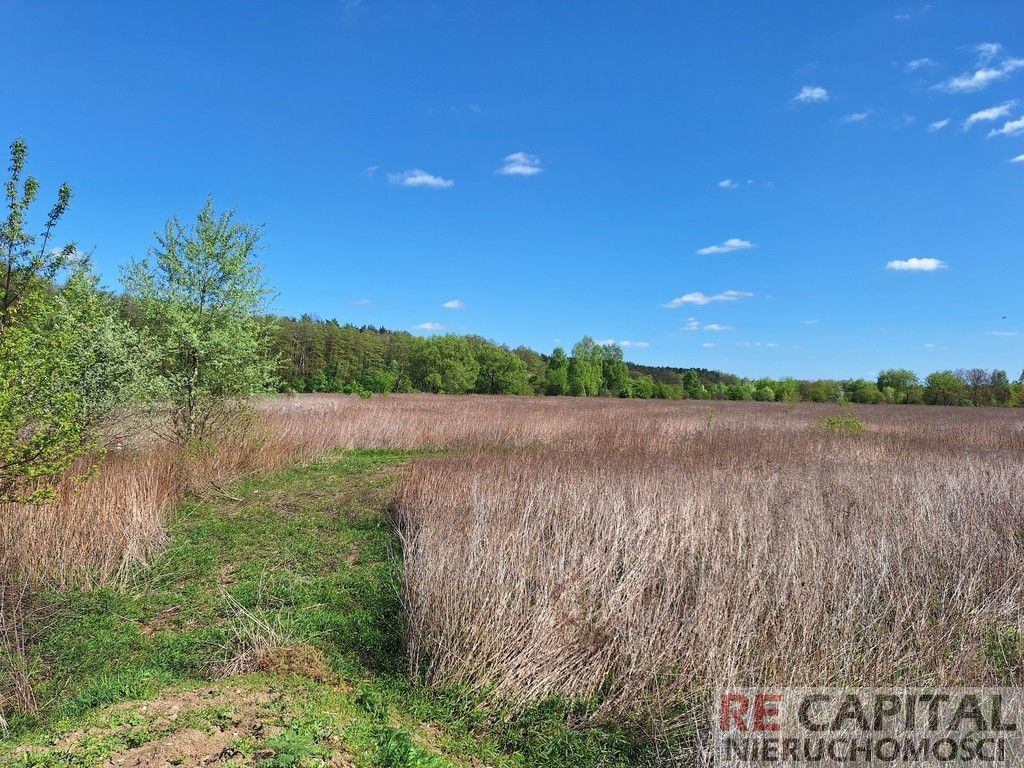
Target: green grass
x=310, y=551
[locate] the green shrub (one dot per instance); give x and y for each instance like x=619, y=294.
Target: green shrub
x=843, y=424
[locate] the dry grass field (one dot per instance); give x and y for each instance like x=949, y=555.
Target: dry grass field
x=653, y=552
x=643, y=552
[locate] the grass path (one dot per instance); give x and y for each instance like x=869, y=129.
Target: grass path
x=293, y=592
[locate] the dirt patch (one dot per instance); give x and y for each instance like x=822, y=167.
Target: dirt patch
x=187, y=747
x=270, y=655
x=353, y=555
x=227, y=575
x=201, y=727
x=303, y=660
x=161, y=622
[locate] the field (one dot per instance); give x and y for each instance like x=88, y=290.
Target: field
x=504, y=581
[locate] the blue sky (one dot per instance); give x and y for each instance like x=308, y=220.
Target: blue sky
x=728, y=185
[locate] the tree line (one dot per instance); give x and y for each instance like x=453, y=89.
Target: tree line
x=317, y=355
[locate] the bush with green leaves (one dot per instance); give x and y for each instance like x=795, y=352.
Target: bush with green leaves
x=68, y=365
x=846, y=423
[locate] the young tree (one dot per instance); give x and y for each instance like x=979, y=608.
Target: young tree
x=28, y=261
x=201, y=297
x=42, y=433
x=103, y=359
x=68, y=364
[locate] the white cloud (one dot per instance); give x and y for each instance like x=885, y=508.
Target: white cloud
x=454, y=304
x=360, y=302
x=709, y=345
x=736, y=184
x=906, y=14
x=987, y=51
x=1010, y=128
x=938, y=125
x=693, y=324
x=429, y=327
x=419, y=178
x=810, y=94
x=732, y=244
x=915, y=265
x=930, y=346
x=856, y=117
x=1000, y=333
x=520, y=164
x=992, y=113
x=916, y=64
x=625, y=344
x=700, y=299
x=753, y=344
x=371, y=170
x=810, y=322
x=1017, y=159
x=984, y=75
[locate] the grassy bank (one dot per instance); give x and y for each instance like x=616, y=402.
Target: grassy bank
x=269, y=633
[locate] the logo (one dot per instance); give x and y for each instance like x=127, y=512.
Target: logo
x=877, y=726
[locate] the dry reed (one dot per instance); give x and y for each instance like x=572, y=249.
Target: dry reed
x=655, y=552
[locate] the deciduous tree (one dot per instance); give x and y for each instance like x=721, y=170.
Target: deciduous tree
x=946, y=388
x=68, y=364
x=201, y=297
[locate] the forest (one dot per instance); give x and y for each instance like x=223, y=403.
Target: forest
x=315, y=355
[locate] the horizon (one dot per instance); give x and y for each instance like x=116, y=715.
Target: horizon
x=775, y=192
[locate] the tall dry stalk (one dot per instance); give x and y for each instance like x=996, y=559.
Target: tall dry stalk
x=652, y=555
